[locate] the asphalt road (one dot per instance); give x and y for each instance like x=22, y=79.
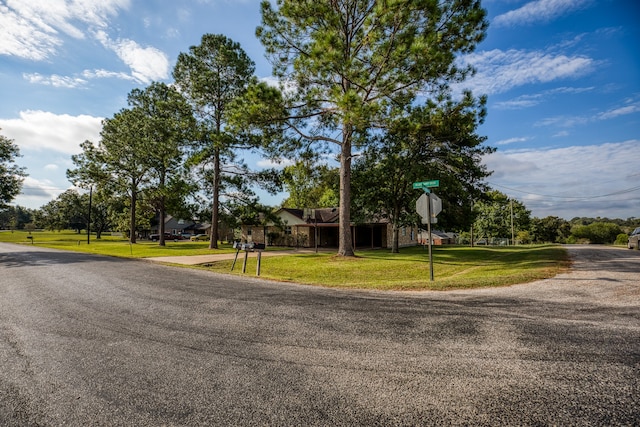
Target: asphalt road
x=87, y=340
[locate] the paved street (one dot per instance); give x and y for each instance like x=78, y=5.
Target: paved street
x=88, y=340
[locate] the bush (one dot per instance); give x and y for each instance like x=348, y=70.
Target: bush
x=622, y=239
x=597, y=232
x=523, y=237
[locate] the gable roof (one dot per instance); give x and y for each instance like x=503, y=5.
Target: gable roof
x=321, y=215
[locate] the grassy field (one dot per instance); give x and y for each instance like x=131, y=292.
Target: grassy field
x=455, y=267
x=110, y=245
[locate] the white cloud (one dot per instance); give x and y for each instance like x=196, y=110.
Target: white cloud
x=76, y=81
x=25, y=39
x=34, y=29
x=616, y=112
x=563, y=121
x=499, y=71
x=570, y=181
x=277, y=164
x=37, y=192
x=571, y=121
x=518, y=103
x=511, y=141
x=147, y=63
x=531, y=100
x=286, y=86
x=45, y=131
x=539, y=11
x=105, y=74
x=55, y=80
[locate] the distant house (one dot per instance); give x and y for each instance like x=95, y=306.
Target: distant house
x=437, y=237
x=307, y=228
x=180, y=226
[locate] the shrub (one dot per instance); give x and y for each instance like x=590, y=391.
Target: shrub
x=622, y=239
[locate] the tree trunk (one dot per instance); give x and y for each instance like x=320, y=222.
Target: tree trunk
x=345, y=240
x=213, y=243
x=161, y=241
x=395, y=239
x=132, y=218
x=395, y=246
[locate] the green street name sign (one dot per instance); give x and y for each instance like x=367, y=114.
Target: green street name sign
x=426, y=184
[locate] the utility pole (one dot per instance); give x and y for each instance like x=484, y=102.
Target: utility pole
x=513, y=236
x=89, y=216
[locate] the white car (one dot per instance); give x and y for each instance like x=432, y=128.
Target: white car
x=199, y=237
x=634, y=237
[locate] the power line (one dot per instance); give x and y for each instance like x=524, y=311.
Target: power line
x=615, y=193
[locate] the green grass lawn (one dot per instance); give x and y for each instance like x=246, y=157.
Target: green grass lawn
x=455, y=267
x=110, y=245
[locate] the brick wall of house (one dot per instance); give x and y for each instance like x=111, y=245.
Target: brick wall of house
x=252, y=233
x=408, y=236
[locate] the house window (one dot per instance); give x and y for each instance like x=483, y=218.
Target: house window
x=287, y=229
x=404, y=231
x=249, y=231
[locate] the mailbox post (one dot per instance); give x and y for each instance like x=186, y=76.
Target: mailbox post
x=248, y=247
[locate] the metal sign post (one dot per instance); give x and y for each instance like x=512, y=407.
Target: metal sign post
x=433, y=206
x=429, y=234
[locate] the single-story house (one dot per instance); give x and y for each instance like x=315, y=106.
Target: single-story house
x=180, y=226
x=309, y=228
x=437, y=237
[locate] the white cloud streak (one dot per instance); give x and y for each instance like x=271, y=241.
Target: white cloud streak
x=499, y=71
x=34, y=29
x=539, y=11
x=55, y=80
x=511, y=140
x=632, y=107
x=531, y=100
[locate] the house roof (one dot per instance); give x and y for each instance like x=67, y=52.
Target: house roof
x=320, y=215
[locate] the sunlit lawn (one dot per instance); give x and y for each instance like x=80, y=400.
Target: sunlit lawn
x=111, y=245
x=454, y=266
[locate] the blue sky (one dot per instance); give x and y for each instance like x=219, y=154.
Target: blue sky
x=562, y=77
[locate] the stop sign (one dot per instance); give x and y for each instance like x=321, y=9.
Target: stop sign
x=422, y=206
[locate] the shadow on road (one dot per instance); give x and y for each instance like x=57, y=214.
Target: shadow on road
x=46, y=258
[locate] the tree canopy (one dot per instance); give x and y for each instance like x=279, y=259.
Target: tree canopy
x=140, y=149
x=354, y=65
x=11, y=175
x=212, y=75
x=499, y=216
x=436, y=141
x=170, y=127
